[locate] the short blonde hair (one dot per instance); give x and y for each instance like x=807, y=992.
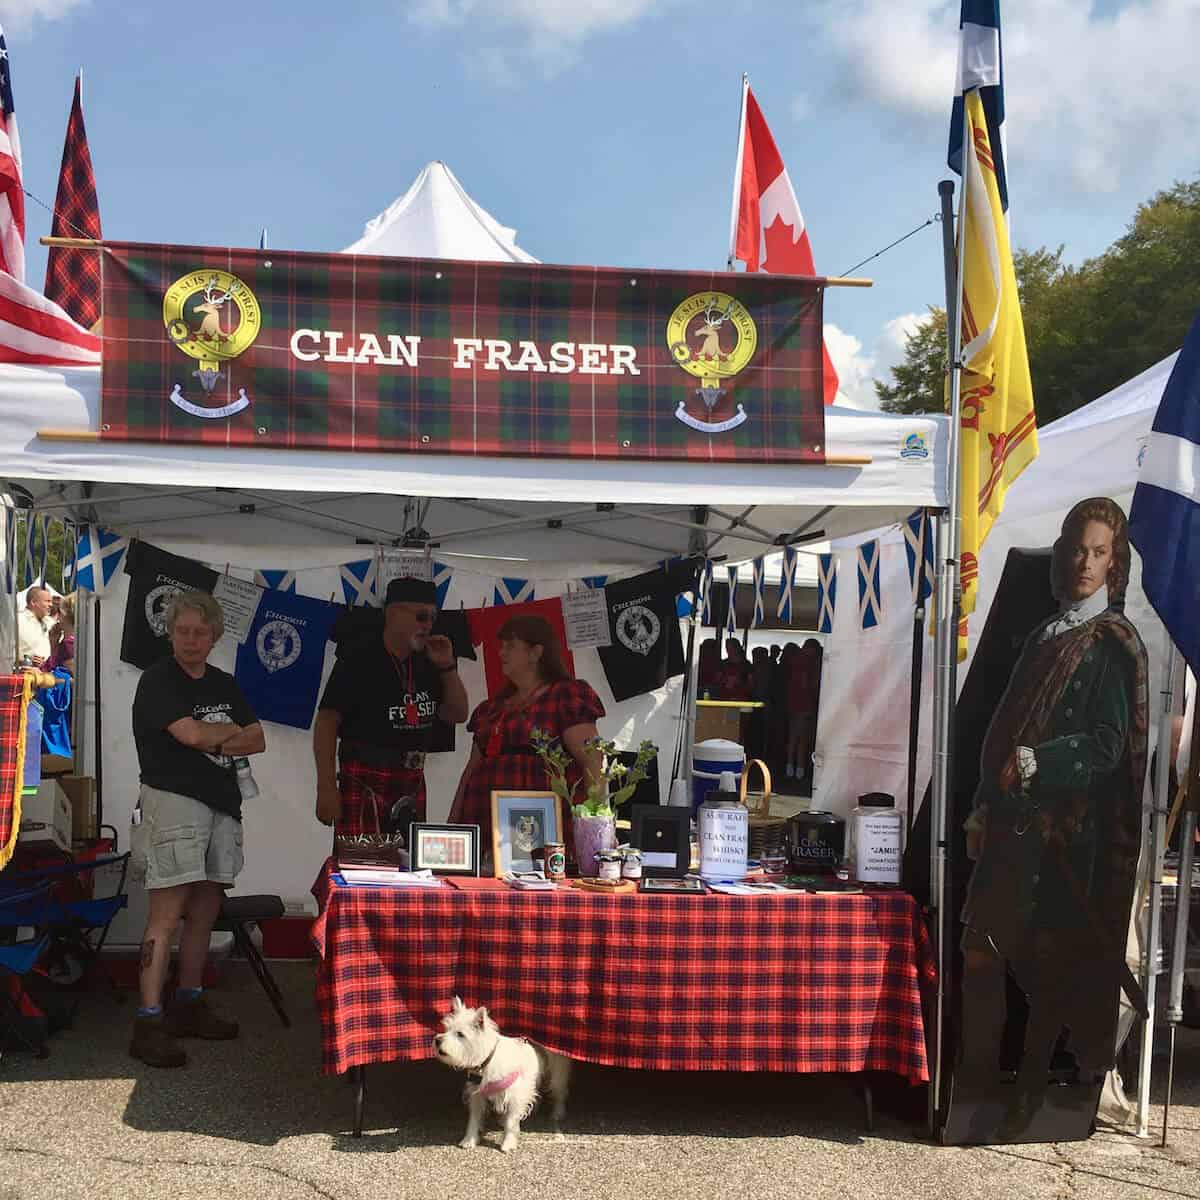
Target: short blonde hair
x=200, y=602
x=66, y=607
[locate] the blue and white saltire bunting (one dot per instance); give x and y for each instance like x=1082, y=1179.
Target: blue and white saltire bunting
x=98, y=555
x=759, y=569
x=1164, y=518
x=980, y=66
x=787, y=581
x=70, y=547
x=594, y=582
x=276, y=580
x=10, y=549
x=443, y=573
x=513, y=591
x=706, y=583
x=358, y=583
x=35, y=548
x=869, y=606
x=918, y=549
x=826, y=591
x=731, y=573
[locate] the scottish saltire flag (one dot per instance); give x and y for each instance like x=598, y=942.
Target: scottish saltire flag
x=759, y=574
x=594, y=582
x=358, y=582
x=70, y=547
x=787, y=581
x=731, y=628
x=1164, y=519
x=512, y=591
x=869, y=606
x=276, y=581
x=442, y=574
x=980, y=68
x=826, y=591
x=918, y=549
x=705, y=597
x=98, y=555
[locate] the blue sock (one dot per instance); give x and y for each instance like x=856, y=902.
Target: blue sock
x=188, y=994
x=153, y=1010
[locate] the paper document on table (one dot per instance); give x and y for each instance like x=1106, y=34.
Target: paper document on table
x=360, y=876
x=734, y=888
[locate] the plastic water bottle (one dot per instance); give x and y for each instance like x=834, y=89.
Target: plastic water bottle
x=245, y=778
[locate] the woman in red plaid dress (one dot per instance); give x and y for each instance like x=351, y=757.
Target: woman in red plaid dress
x=539, y=695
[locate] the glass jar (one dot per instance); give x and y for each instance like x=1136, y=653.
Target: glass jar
x=609, y=862
x=877, y=841
x=631, y=863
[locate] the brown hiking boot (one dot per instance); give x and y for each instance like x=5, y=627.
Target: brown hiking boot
x=194, y=1018
x=153, y=1044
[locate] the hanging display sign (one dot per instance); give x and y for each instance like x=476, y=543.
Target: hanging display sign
x=348, y=352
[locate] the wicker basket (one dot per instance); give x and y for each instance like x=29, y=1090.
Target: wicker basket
x=373, y=848
x=768, y=834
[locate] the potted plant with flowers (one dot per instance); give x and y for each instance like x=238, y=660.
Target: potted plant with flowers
x=594, y=817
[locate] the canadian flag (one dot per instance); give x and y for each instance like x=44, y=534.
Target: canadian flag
x=768, y=232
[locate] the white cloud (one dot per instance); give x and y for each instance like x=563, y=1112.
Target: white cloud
x=858, y=368
x=1092, y=99
x=547, y=32
x=19, y=16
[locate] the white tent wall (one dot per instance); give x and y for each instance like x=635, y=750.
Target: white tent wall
x=862, y=728
x=285, y=844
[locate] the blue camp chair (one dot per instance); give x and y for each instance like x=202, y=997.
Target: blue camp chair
x=24, y=939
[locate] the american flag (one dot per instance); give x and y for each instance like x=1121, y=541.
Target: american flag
x=12, y=198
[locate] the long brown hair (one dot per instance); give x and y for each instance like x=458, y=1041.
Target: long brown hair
x=1107, y=512
x=537, y=631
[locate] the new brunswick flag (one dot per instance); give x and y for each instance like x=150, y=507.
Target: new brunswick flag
x=998, y=433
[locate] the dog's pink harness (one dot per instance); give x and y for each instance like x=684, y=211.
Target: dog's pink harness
x=496, y=1086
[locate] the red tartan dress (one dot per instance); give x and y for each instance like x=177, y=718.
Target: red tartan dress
x=507, y=761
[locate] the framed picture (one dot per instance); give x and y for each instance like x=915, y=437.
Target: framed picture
x=444, y=849
x=663, y=835
x=522, y=823
x=690, y=886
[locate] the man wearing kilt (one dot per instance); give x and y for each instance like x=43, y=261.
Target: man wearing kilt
x=376, y=717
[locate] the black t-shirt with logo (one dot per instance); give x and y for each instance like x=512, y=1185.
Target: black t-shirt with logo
x=155, y=576
x=165, y=694
x=646, y=647
x=383, y=701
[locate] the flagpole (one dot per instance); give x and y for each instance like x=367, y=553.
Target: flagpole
x=916, y=672
x=737, y=174
x=949, y=597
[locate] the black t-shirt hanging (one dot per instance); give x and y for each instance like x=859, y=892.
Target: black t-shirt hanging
x=165, y=694
x=382, y=701
x=646, y=647
x=154, y=577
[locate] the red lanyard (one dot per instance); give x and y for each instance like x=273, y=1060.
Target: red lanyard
x=410, y=708
x=495, y=742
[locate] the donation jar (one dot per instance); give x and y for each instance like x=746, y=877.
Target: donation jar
x=877, y=840
x=723, y=825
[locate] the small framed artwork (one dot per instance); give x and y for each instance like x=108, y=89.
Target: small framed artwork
x=663, y=835
x=444, y=849
x=691, y=886
x=522, y=823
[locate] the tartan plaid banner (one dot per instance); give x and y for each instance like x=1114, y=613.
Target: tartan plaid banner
x=350, y=352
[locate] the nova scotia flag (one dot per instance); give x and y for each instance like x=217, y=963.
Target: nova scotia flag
x=1164, y=519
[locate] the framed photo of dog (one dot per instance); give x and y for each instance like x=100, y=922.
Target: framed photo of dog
x=444, y=849
x=522, y=822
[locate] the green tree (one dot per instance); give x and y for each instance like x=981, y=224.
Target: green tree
x=1088, y=328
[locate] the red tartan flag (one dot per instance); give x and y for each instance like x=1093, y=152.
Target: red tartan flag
x=768, y=231
x=73, y=276
x=12, y=195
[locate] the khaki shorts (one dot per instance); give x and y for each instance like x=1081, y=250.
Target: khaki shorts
x=182, y=841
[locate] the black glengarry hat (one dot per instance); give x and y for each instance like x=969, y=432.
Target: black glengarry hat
x=411, y=591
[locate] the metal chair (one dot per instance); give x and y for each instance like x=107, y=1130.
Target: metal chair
x=237, y=912
x=23, y=928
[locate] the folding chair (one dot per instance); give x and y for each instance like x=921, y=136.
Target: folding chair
x=24, y=938
x=236, y=913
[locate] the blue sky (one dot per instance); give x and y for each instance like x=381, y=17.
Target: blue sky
x=603, y=130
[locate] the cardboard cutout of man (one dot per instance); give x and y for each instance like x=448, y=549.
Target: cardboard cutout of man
x=1055, y=833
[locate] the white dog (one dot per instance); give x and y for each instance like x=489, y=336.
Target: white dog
x=507, y=1073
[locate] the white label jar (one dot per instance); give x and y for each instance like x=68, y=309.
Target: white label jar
x=878, y=840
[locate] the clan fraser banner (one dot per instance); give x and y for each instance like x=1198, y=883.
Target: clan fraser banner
x=342, y=352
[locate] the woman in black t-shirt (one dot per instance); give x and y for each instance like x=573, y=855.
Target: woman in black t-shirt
x=190, y=723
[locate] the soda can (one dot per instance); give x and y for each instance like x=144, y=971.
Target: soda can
x=556, y=860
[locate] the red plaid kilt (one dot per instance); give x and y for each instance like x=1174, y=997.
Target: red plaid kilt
x=368, y=793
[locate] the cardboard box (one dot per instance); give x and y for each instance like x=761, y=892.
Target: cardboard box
x=714, y=722
x=81, y=791
x=46, y=817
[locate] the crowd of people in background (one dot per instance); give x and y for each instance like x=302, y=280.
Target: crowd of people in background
x=46, y=631
x=786, y=681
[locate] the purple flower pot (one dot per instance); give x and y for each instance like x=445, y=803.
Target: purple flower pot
x=592, y=834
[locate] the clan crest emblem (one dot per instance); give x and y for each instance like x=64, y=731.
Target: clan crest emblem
x=712, y=336
x=278, y=645
x=638, y=628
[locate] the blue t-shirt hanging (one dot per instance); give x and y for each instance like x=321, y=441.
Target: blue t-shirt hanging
x=279, y=665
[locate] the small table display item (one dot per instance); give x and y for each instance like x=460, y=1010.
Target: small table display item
x=522, y=823
x=816, y=842
x=609, y=864
x=444, y=849
x=721, y=822
x=876, y=840
x=383, y=846
x=663, y=834
x=689, y=886
x=610, y=887
x=631, y=862
x=554, y=855
x=768, y=834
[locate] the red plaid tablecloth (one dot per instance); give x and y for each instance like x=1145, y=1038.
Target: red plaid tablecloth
x=15, y=691
x=802, y=982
